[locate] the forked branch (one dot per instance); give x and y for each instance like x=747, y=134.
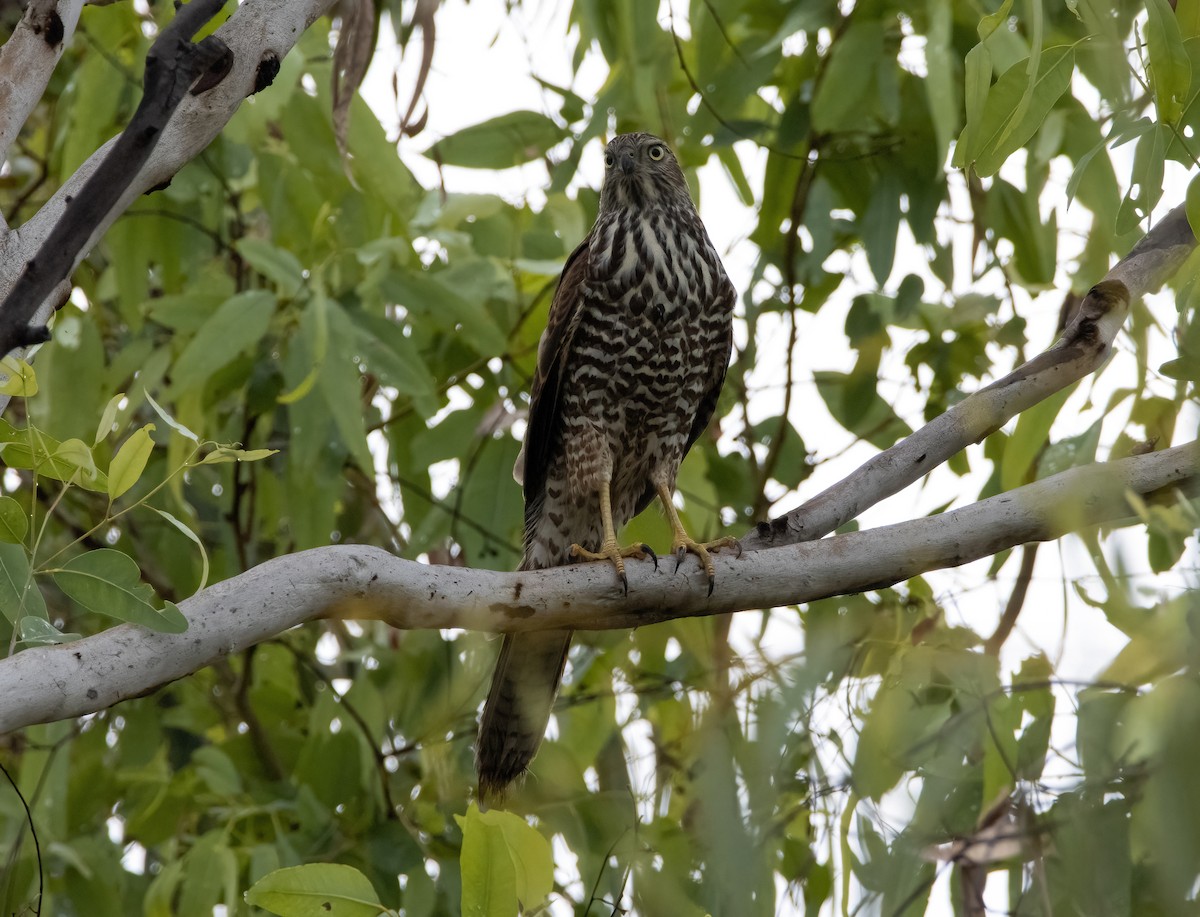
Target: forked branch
x=1084, y=347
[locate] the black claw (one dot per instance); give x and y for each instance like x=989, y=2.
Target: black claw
x=654, y=557
x=624, y=582
x=712, y=581
x=738, y=545
x=679, y=556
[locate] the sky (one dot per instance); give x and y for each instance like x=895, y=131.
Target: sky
x=482, y=67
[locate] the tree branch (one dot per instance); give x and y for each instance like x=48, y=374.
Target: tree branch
x=259, y=34
x=45, y=684
x=1083, y=348
x=28, y=59
x=172, y=66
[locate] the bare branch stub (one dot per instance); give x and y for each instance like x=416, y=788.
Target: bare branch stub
x=172, y=66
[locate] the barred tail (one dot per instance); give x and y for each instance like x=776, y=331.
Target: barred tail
x=518, y=706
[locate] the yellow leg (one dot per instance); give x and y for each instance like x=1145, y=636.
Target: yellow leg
x=683, y=544
x=609, y=549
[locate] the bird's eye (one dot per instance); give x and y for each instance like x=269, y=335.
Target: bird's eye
x=608, y=160
x=657, y=152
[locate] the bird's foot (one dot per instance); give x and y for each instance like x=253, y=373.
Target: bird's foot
x=616, y=555
x=684, y=545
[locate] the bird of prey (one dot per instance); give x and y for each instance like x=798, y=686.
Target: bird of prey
x=628, y=373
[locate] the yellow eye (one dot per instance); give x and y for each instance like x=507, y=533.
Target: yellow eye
x=657, y=152
x=608, y=160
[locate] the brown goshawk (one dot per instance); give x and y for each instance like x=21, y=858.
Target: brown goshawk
x=628, y=373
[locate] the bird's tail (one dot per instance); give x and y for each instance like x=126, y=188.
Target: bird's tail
x=518, y=706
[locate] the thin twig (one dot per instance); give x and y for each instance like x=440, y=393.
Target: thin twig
x=1016, y=600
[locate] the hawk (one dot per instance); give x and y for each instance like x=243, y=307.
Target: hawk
x=628, y=373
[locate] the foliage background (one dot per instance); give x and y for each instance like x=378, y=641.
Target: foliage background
x=379, y=330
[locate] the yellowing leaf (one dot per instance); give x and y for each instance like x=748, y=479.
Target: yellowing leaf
x=505, y=863
x=108, y=417
x=130, y=461
x=76, y=454
x=20, y=379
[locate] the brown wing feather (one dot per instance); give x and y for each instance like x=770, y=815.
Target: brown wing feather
x=716, y=379
x=545, y=394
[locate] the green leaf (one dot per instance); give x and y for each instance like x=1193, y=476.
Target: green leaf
x=316, y=890
x=394, y=358
x=278, y=265
x=314, y=327
x=235, y=328
x=845, y=89
x=977, y=80
x=75, y=455
x=860, y=410
x=171, y=421
x=988, y=24
x=509, y=140
x=1016, y=107
x=1170, y=70
x=881, y=223
x=40, y=632
x=1031, y=436
x=192, y=537
x=19, y=594
x=426, y=295
x=110, y=583
x=341, y=385
x=1192, y=205
x=130, y=461
x=108, y=417
x=941, y=87
x=222, y=454
x=14, y=521
x=505, y=863
x=32, y=449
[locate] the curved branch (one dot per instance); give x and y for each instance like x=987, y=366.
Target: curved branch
x=45, y=684
x=1084, y=347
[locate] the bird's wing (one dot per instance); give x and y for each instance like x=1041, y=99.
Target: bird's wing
x=545, y=397
x=725, y=299
x=718, y=365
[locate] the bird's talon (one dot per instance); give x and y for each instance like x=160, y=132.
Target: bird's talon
x=614, y=554
x=654, y=557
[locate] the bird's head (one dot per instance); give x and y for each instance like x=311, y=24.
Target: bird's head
x=641, y=171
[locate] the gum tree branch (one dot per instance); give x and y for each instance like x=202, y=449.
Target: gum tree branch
x=258, y=34
x=28, y=59
x=1084, y=347
x=46, y=684
x=172, y=66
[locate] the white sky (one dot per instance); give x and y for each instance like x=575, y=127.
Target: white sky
x=482, y=68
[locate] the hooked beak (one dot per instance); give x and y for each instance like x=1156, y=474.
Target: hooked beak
x=627, y=163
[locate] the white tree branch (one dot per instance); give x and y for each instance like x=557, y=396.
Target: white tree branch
x=259, y=34
x=46, y=684
x=1084, y=347
x=28, y=59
